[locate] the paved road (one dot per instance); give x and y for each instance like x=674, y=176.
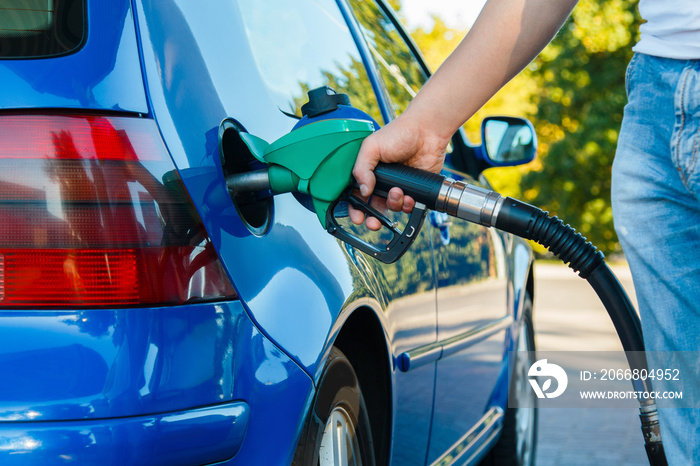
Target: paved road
x=569, y=317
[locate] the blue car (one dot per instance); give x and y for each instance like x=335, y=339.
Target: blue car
x=149, y=317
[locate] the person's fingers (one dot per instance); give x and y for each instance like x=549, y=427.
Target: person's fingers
x=373, y=223
x=398, y=202
x=408, y=204
x=356, y=216
x=379, y=203
x=395, y=199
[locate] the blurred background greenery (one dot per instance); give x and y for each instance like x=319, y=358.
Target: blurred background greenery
x=574, y=93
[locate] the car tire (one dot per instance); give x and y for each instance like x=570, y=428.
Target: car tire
x=518, y=440
x=337, y=430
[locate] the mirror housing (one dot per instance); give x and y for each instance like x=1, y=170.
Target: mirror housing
x=507, y=141
x=474, y=159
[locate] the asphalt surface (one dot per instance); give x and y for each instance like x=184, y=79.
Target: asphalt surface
x=569, y=317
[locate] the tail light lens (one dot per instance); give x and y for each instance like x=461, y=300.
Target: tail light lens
x=93, y=213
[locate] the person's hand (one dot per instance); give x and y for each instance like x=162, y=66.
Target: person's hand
x=406, y=141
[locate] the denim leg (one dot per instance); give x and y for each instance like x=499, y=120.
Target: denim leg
x=656, y=207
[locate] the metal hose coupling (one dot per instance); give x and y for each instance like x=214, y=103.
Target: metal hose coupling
x=469, y=202
x=488, y=208
x=652, y=434
x=650, y=422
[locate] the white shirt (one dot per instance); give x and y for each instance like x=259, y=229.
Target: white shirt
x=672, y=29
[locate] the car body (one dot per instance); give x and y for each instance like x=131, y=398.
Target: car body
x=222, y=363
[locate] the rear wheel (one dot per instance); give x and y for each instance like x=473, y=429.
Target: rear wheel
x=337, y=430
x=519, y=434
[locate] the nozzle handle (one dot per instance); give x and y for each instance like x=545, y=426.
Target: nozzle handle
x=421, y=185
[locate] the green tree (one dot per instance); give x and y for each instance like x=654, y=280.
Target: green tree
x=580, y=77
x=437, y=43
x=574, y=92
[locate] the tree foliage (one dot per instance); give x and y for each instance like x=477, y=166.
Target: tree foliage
x=580, y=78
x=575, y=93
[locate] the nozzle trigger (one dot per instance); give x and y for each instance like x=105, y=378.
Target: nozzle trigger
x=399, y=243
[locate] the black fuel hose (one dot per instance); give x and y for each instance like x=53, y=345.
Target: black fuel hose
x=488, y=208
x=485, y=207
x=572, y=248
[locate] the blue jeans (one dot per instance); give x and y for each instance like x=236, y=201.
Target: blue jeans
x=656, y=207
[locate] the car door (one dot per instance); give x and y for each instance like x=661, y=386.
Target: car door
x=472, y=329
x=470, y=268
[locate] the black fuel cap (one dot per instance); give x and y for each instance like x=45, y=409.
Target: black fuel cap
x=323, y=99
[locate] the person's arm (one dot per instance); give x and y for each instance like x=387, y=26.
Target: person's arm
x=506, y=36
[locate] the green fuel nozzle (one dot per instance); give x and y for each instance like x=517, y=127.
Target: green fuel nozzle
x=316, y=159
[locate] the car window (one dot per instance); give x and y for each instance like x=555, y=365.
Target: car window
x=400, y=71
x=303, y=45
x=40, y=28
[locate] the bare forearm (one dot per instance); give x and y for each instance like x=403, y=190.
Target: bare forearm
x=505, y=38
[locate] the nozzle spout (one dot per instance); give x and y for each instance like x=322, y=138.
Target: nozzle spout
x=258, y=180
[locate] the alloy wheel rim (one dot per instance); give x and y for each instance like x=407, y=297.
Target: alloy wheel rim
x=525, y=399
x=339, y=445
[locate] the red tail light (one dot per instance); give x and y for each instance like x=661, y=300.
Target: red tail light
x=93, y=213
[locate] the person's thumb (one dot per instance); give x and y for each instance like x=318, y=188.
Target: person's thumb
x=366, y=162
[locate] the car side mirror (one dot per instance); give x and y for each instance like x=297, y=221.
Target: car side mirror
x=507, y=141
